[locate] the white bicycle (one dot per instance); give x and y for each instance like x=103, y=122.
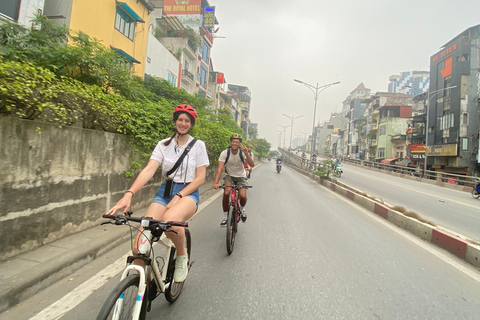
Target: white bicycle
x=132, y=297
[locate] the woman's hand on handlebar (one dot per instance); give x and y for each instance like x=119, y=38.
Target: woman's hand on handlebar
x=215, y=186
x=123, y=203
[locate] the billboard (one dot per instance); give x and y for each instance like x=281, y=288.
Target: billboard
x=209, y=17
x=182, y=7
x=220, y=78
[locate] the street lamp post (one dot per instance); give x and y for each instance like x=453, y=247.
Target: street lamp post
x=292, y=118
x=284, y=129
x=316, y=92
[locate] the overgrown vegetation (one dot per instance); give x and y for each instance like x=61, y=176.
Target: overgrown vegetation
x=324, y=168
x=51, y=74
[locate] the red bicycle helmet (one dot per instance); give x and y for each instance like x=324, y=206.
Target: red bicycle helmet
x=189, y=110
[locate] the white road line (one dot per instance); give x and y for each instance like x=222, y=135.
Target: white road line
x=80, y=293
x=458, y=264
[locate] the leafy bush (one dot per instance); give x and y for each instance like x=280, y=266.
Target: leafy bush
x=50, y=74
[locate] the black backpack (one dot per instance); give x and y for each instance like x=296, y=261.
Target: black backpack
x=228, y=156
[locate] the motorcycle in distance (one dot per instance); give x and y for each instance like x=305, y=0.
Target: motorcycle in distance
x=279, y=165
x=338, y=171
x=476, y=190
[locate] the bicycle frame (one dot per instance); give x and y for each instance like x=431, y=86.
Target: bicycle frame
x=145, y=250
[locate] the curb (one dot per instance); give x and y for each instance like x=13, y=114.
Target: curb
x=455, y=244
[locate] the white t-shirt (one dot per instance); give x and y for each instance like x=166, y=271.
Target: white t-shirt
x=168, y=156
x=234, y=165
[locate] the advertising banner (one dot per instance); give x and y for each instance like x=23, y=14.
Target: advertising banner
x=209, y=17
x=220, y=78
x=182, y=7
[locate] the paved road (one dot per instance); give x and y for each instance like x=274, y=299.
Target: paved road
x=452, y=209
x=304, y=253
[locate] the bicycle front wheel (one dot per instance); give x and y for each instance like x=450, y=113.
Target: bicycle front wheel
x=231, y=221
x=121, y=302
x=175, y=288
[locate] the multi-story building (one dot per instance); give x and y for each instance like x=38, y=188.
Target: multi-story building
x=393, y=119
x=353, y=110
x=121, y=25
x=21, y=11
x=409, y=82
x=244, y=97
x=453, y=101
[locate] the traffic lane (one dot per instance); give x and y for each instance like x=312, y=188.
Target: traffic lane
x=451, y=209
x=306, y=253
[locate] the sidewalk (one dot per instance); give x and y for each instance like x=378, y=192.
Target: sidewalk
x=27, y=274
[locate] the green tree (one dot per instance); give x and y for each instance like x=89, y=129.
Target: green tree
x=261, y=147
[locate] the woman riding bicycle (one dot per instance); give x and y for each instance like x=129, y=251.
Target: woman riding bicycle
x=181, y=203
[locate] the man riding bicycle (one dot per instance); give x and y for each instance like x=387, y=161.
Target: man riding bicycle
x=231, y=160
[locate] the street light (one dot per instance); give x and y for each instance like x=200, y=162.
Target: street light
x=284, y=128
x=292, y=118
x=316, y=93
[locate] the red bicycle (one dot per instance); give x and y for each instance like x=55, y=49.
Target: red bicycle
x=234, y=215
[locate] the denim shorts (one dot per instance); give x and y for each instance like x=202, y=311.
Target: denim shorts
x=176, y=187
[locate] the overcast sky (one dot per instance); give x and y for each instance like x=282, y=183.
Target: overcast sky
x=271, y=42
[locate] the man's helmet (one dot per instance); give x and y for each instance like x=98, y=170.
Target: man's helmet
x=236, y=136
x=189, y=110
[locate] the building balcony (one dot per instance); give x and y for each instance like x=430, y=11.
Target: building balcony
x=187, y=74
x=373, y=143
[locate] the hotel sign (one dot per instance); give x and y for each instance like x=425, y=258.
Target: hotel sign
x=443, y=151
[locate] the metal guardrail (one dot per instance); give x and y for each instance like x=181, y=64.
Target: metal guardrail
x=455, y=179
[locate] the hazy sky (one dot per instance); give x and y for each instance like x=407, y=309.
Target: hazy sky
x=271, y=42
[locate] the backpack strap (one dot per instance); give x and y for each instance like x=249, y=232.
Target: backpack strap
x=228, y=156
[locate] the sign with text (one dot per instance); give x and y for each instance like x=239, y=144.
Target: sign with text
x=220, y=78
x=209, y=17
x=182, y=7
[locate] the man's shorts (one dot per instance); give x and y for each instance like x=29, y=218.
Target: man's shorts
x=238, y=181
x=176, y=187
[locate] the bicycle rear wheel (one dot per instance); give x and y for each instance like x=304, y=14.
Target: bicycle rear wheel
x=231, y=228
x=122, y=300
x=175, y=288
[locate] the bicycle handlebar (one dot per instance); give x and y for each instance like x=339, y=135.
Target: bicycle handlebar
x=145, y=222
x=236, y=187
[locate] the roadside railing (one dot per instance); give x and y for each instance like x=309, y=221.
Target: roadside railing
x=454, y=179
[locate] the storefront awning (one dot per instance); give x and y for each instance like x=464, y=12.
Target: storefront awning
x=389, y=160
x=404, y=162
x=125, y=55
x=126, y=8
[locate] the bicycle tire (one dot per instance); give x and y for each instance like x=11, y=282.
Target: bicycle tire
x=128, y=287
x=174, y=289
x=475, y=193
x=231, y=219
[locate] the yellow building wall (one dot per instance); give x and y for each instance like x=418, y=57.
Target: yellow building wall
x=96, y=18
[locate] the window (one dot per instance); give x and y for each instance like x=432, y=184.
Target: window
x=203, y=76
x=382, y=130
x=205, y=52
x=172, y=79
x=125, y=24
x=10, y=8
x=464, y=144
x=381, y=152
x=465, y=118
x=446, y=121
